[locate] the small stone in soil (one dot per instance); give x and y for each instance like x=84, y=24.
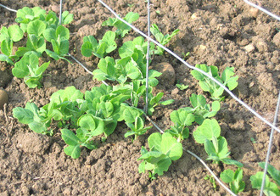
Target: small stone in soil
x=168, y=73
x=3, y=98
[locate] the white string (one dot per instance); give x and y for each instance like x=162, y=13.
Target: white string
x=192, y=67
x=270, y=145
x=60, y=13
x=197, y=157
x=10, y=9
x=148, y=61
x=262, y=9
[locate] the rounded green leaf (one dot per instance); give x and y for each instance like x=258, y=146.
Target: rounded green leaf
x=23, y=115
x=207, y=130
x=171, y=147
x=36, y=27
x=49, y=34
x=73, y=151
x=62, y=32
x=87, y=49
x=154, y=141
x=15, y=33
x=87, y=122
x=227, y=176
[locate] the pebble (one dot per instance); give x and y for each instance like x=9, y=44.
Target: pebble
x=3, y=98
x=249, y=48
x=254, y=12
x=276, y=39
x=168, y=73
x=262, y=46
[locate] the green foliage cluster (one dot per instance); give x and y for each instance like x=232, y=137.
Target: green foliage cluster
x=270, y=188
x=91, y=114
x=81, y=117
x=227, y=78
x=39, y=28
x=234, y=179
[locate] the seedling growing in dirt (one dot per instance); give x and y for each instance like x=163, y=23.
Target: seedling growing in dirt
x=135, y=122
x=26, y=15
x=212, y=180
x=234, y=179
x=28, y=68
x=201, y=110
x=35, y=41
x=163, y=150
x=7, y=37
x=272, y=171
x=162, y=39
x=122, y=28
x=59, y=38
x=138, y=128
x=215, y=145
x=155, y=101
x=270, y=188
x=182, y=86
x=181, y=119
x=100, y=49
x=227, y=78
x=31, y=116
x=75, y=141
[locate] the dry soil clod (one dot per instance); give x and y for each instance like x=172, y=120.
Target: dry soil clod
x=168, y=73
x=3, y=98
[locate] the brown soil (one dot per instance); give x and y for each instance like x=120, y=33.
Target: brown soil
x=221, y=33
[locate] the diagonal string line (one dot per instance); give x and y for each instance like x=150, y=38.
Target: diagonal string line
x=262, y=9
x=270, y=145
x=194, y=68
x=10, y=9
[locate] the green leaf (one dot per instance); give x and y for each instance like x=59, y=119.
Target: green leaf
x=69, y=137
x=24, y=15
x=69, y=94
x=171, y=147
x=49, y=34
x=4, y=34
x=62, y=33
x=20, y=69
x=273, y=172
x=131, y=17
x=7, y=47
x=4, y=57
x=24, y=116
x=87, y=122
x=15, y=33
x=42, y=68
x=73, y=151
x=110, y=126
x=67, y=18
x=87, y=49
x=36, y=27
x=139, y=123
x=208, y=130
x=232, y=162
x=270, y=188
x=130, y=114
x=127, y=49
x=227, y=176
x=167, y=102
x=162, y=166
x=154, y=141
